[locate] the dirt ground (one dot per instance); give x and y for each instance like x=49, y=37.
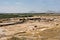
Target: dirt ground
x=33, y=30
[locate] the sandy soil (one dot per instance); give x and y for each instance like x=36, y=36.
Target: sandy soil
x=41, y=30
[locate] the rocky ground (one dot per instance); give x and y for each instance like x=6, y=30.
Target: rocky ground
x=33, y=30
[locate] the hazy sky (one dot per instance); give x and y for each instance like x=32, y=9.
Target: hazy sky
x=17, y=6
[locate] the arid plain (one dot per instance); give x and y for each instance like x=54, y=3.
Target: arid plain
x=30, y=28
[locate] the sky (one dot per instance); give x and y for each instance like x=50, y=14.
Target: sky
x=22, y=6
